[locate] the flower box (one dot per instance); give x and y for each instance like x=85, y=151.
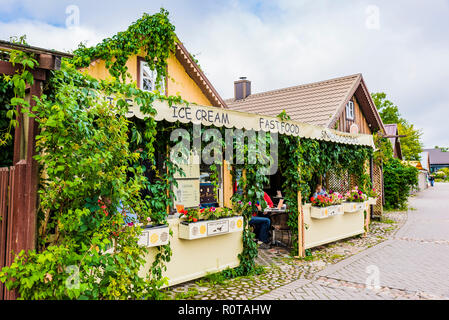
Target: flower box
x=372, y=201
x=210, y=228
x=354, y=206
x=153, y=236
x=326, y=212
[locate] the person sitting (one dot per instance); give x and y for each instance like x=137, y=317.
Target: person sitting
x=262, y=224
x=319, y=191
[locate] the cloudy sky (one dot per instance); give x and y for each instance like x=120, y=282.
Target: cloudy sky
x=401, y=47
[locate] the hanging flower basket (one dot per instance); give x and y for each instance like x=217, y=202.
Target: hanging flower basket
x=153, y=236
x=326, y=212
x=209, y=228
x=354, y=206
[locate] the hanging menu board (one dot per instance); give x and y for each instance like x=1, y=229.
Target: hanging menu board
x=188, y=191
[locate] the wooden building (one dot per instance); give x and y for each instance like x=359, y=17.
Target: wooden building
x=393, y=134
x=343, y=104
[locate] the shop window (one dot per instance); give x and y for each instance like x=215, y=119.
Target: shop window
x=208, y=197
x=350, y=110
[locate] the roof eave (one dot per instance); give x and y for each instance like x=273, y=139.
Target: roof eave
x=194, y=71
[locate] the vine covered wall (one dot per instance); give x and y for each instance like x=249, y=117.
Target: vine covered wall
x=301, y=160
x=92, y=175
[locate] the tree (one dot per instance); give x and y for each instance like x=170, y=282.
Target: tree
x=443, y=149
x=389, y=112
x=411, y=145
x=399, y=180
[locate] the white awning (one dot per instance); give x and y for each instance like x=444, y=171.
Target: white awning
x=219, y=117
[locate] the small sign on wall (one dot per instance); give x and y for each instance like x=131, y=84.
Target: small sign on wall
x=217, y=227
x=354, y=129
x=187, y=193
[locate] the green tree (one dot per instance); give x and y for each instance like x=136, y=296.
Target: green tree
x=399, y=180
x=389, y=112
x=443, y=149
x=411, y=145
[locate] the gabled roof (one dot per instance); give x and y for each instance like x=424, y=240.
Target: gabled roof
x=197, y=75
x=437, y=156
x=318, y=103
x=194, y=71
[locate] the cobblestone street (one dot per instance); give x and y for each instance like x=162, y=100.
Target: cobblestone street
x=412, y=264
x=282, y=270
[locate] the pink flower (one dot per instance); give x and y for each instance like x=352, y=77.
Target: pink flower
x=149, y=219
x=249, y=203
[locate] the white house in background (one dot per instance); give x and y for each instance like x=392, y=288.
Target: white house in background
x=425, y=160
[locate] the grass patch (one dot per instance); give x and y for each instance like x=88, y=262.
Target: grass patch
x=336, y=256
x=191, y=292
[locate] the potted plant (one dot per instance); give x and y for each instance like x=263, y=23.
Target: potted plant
x=153, y=233
x=205, y=222
x=355, y=200
x=372, y=196
x=324, y=206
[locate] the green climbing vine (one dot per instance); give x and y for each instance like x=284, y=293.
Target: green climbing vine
x=302, y=159
x=152, y=35
x=13, y=88
x=95, y=192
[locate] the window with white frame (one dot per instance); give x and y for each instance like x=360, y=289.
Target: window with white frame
x=148, y=78
x=350, y=110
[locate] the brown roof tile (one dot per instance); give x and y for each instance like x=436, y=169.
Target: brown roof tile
x=314, y=103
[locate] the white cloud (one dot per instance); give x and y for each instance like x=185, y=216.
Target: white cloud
x=48, y=36
x=284, y=43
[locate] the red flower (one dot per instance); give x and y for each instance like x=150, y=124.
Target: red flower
x=195, y=219
x=312, y=199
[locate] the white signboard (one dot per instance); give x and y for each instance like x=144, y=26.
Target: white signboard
x=217, y=227
x=187, y=193
x=219, y=117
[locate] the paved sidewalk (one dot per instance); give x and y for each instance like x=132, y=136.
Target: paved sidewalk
x=412, y=264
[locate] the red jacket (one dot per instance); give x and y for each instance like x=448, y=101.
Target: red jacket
x=267, y=199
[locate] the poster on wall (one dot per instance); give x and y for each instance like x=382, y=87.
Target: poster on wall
x=187, y=193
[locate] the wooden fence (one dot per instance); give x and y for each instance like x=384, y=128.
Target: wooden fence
x=17, y=214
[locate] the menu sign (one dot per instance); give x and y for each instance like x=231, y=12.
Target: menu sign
x=187, y=193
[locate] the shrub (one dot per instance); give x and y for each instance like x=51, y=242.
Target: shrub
x=399, y=179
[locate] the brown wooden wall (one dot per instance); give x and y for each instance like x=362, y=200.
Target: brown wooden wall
x=345, y=124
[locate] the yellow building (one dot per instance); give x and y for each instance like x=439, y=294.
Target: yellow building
x=192, y=258
x=186, y=79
